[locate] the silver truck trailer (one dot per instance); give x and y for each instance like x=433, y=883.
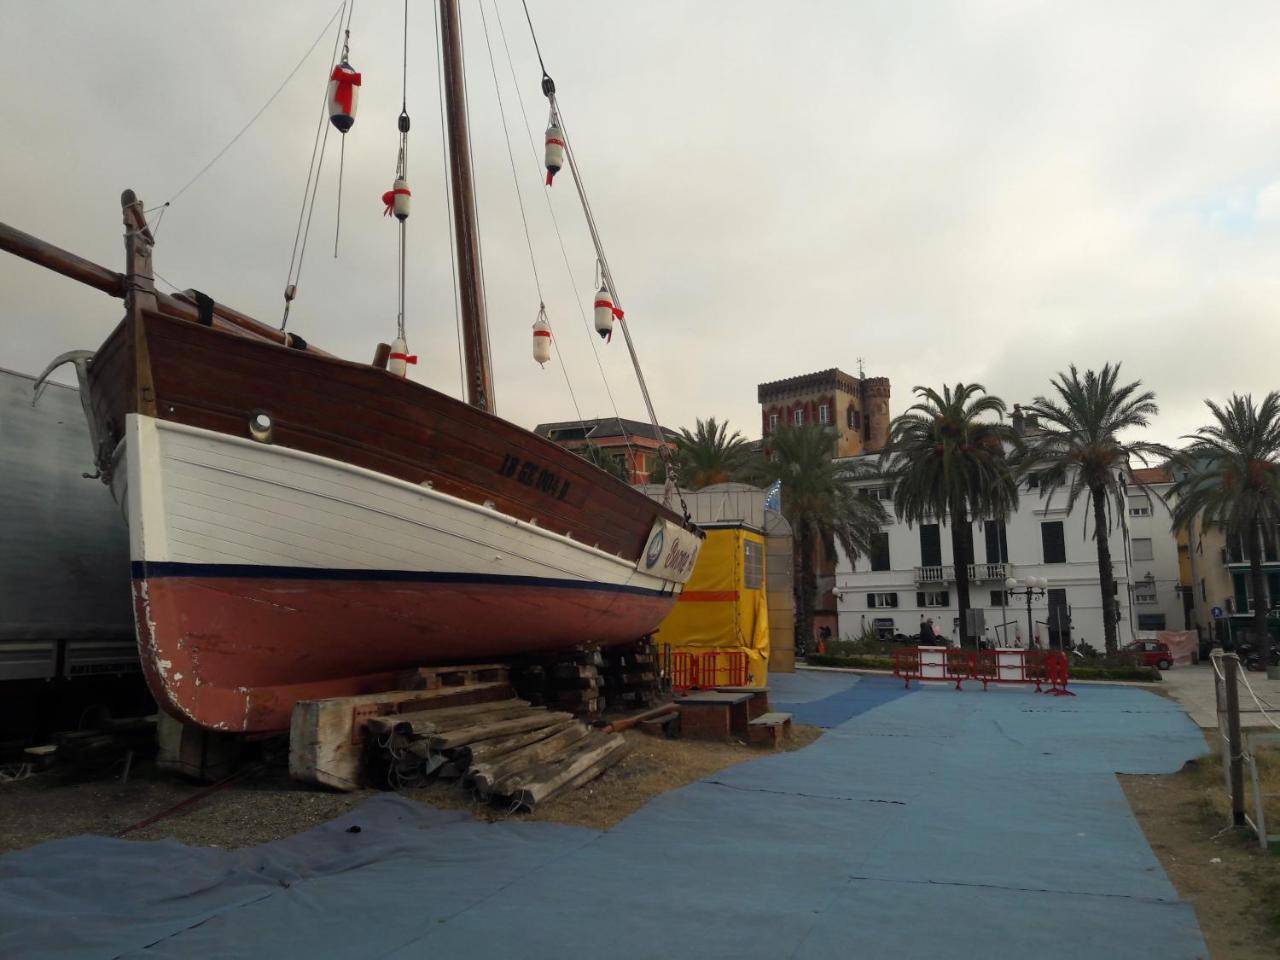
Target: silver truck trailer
x=65, y=609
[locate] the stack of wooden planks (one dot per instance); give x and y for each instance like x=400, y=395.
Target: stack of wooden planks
x=507, y=751
x=630, y=675
x=569, y=681
x=575, y=684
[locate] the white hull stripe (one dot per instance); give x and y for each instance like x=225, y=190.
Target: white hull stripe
x=205, y=504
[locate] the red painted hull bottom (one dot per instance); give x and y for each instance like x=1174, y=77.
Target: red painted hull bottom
x=237, y=653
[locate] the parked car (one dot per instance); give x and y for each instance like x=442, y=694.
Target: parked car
x=1151, y=654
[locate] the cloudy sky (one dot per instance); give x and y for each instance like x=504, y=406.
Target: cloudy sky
x=975, y=190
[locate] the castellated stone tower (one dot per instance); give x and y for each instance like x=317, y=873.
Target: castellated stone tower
x=875, y=408
x=857, y=410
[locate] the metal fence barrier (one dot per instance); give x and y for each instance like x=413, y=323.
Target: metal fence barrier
x=712, y=668
x=1047, y=669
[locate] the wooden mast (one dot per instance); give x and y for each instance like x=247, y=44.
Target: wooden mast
x=475, y=333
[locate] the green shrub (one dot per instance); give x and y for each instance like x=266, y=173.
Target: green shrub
x=1132, y=674
x=861, y=647
x=851, y=663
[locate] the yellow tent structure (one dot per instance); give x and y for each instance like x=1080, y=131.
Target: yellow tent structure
x=723, y=607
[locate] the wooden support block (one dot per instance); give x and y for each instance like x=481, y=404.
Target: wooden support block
x=758, y=705
x=326, y=737
x=734, y=706
x=705, y=722
x=204, y=755
x=770, y=728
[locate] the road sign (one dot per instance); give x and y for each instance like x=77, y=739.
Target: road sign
x=1216, y=613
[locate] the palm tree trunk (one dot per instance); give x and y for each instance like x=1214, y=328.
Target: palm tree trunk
x=805, y=587
x=961, y=550
x=1106, y=578
x=1258, y=591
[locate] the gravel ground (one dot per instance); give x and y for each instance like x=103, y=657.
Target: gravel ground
x=267, y=805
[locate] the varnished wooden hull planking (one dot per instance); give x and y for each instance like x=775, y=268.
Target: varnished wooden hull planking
x=367, y=417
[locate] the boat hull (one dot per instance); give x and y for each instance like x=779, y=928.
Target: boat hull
x=260, y=643
x=263, y=575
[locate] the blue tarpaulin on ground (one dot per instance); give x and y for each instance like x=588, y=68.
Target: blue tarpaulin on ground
x=934, y=824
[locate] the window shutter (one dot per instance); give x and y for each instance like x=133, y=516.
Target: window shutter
x=946, y=598
x=919, y=598
x=871, y=600
x=893, y=599
x=1053, y=542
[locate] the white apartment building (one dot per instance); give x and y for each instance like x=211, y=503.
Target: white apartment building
x=911, y=576
x=1156, y=584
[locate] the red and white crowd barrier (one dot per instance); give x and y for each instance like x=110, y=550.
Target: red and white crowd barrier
x=1047, y=669
x=708, y=669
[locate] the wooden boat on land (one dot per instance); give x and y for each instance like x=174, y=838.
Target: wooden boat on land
x=303, y=526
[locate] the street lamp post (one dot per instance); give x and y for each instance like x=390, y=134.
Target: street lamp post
x=1031, y=587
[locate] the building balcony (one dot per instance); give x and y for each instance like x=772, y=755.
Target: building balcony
x=981, y=572
x=943, y=574
x=978, y=573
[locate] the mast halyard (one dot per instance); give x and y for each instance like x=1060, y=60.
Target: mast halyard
x=475, y=334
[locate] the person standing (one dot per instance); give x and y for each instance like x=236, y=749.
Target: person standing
x=928, y=637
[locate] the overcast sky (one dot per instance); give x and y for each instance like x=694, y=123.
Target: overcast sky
x=979, y=191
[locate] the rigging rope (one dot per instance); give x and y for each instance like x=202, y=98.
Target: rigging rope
x=549, y=88
x=1240, y=672
x=564, y=253
x=448, y=206
x=534, y=34
x=337, y=13
x=313, y=173
x=528, y=239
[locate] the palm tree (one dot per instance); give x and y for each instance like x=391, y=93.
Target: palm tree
x=948, y=463
x=1234, y=483
x=821, y=503
x=710, y=454
x=1078, y=447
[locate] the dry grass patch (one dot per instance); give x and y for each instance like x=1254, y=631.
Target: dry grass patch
x=1234, y=885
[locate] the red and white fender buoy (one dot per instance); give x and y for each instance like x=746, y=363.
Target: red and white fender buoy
x=541, y=340
x=344, y=92
x=397, y=199
x=398, y=362
x=555, y=150
x=605, y=312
